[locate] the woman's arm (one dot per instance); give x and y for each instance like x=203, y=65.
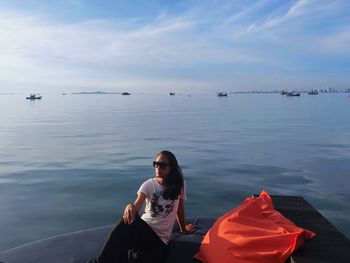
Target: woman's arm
x=132, y=209
x=185, y=229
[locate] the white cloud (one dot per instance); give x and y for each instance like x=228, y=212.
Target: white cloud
x=297, y=9
x=233, y=38
x=336, y=43
x=299, y=14
x=166, y=41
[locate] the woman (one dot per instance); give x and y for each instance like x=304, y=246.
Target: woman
x=144, y=239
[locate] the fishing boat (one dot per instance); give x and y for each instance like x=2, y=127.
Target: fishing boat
x=222, y=94
x=34, y=97
x=293, y=94
x=171, y=93
x=125, y=93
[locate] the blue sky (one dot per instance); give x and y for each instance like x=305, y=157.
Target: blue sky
x=186, y=46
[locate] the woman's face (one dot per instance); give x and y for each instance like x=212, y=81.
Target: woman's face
x=161, y=166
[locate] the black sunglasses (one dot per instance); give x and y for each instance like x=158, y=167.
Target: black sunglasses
x=161, y=165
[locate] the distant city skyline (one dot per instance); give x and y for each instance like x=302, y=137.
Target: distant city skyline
x=180, y=46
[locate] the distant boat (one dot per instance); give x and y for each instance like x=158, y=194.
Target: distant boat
x=171, y=93
x=222, y=94
x=64, y=93
x=313, y=92
x=34, y=97
x=292, y=94
x=125, y=93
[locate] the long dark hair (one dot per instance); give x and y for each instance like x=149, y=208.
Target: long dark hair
x=174, y=181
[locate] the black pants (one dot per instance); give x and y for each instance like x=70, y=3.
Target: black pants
x=135, y=243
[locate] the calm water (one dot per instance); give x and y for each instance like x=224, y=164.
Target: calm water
x=72, y=162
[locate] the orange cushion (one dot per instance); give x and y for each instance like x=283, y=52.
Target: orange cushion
x=252, y=232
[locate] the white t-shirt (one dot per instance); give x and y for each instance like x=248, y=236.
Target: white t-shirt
x=159, y=214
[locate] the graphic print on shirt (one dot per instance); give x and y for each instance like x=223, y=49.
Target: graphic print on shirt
x=157, y=209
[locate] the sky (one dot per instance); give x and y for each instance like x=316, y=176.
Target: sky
x=169, y=45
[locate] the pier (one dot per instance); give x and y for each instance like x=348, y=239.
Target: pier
x=328, y=246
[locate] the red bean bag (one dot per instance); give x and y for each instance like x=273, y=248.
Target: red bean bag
x=252, y=232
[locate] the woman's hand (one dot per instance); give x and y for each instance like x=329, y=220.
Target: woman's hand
x=129, y=214
x=189, y=229
x=132, y=209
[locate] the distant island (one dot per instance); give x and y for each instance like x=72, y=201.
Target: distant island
x=96, y=92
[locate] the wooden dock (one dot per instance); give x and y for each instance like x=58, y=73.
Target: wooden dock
x=328, y=246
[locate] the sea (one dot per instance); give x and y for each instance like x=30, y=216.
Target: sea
x=72, y=162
